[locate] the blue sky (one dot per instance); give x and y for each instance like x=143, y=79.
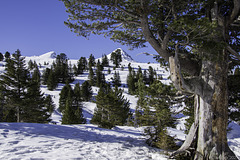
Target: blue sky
x=37, y=26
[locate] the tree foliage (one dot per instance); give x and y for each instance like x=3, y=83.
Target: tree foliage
x=116, y=57
x=112, y=108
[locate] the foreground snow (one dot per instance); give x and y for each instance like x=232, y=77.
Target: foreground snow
x=44, y=141
x=64, y=142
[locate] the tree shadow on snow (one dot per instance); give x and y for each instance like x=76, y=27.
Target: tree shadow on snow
x=75, y=132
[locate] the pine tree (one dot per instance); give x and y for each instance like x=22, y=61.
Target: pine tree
x=77, y=104
x=71, y=114
x=52, y=81
x=15, y=81
x=35, y=110
x=1, y=57
x=116, y=57
x=2, y=104
x=77, y=98
x=105, y=61
x=68, y=113
x=75, y=70
x=65, y=92
x=159, y=99
x=112, y=108
x=62, y=69
x=100, y=77
x=82, y=65
x=30, y=64
x=131, y=80
x=150, y=75
x=109, y=70
x=91, y=77
x=86, y=91
x=45, y=75
x=49, y=104
x=7, y=55
x=143, y=116
x=91, y=61
x=116, y=79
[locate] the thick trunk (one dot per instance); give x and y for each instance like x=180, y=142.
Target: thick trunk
x=211, y=111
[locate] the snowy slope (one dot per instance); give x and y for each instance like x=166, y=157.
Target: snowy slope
x=64, y=142
x=48, y=141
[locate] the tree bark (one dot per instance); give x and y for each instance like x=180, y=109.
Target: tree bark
x=211, y=110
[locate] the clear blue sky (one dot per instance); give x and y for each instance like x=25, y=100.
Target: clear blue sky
x=37, y=26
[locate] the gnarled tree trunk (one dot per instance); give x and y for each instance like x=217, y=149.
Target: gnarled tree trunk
x=211, y=109
x=213, y=112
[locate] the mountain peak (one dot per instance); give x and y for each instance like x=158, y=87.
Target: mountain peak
x=50, y=54
x=125, y=56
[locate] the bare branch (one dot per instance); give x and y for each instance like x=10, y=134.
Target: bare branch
x=235, y=11
x=233, y=52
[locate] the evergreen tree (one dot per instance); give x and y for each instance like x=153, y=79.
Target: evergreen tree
x=68, y=113
x=35, y=110
x=143, y=116
x=75, y=70
x=91, y=61
x=62, y=69
x=91, y=77
x=7, y=55
x=45, y=76
x=109, y=70
x=77, y=100
x=2, y=104
x=100, y=77
x=116, y=57
x=84, y=63
x=105, y=61
x=15, y=81
x=52, y=81
x=1, y=57
x=131, y=80
x=66, y=90
x=160, y=97
x=77, y=104
x=139, y=73
x=30, y=64
x=49, y=104
x=73, y=110
x=145, y=77
x=150, y=75
x=112, y=108
x=81, y=65
x=36, y=76
x=86, y=91
x=116, y=79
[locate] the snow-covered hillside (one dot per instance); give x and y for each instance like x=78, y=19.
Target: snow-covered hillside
x=49, y=141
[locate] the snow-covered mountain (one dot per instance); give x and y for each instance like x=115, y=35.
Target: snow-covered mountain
x=49, y=141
